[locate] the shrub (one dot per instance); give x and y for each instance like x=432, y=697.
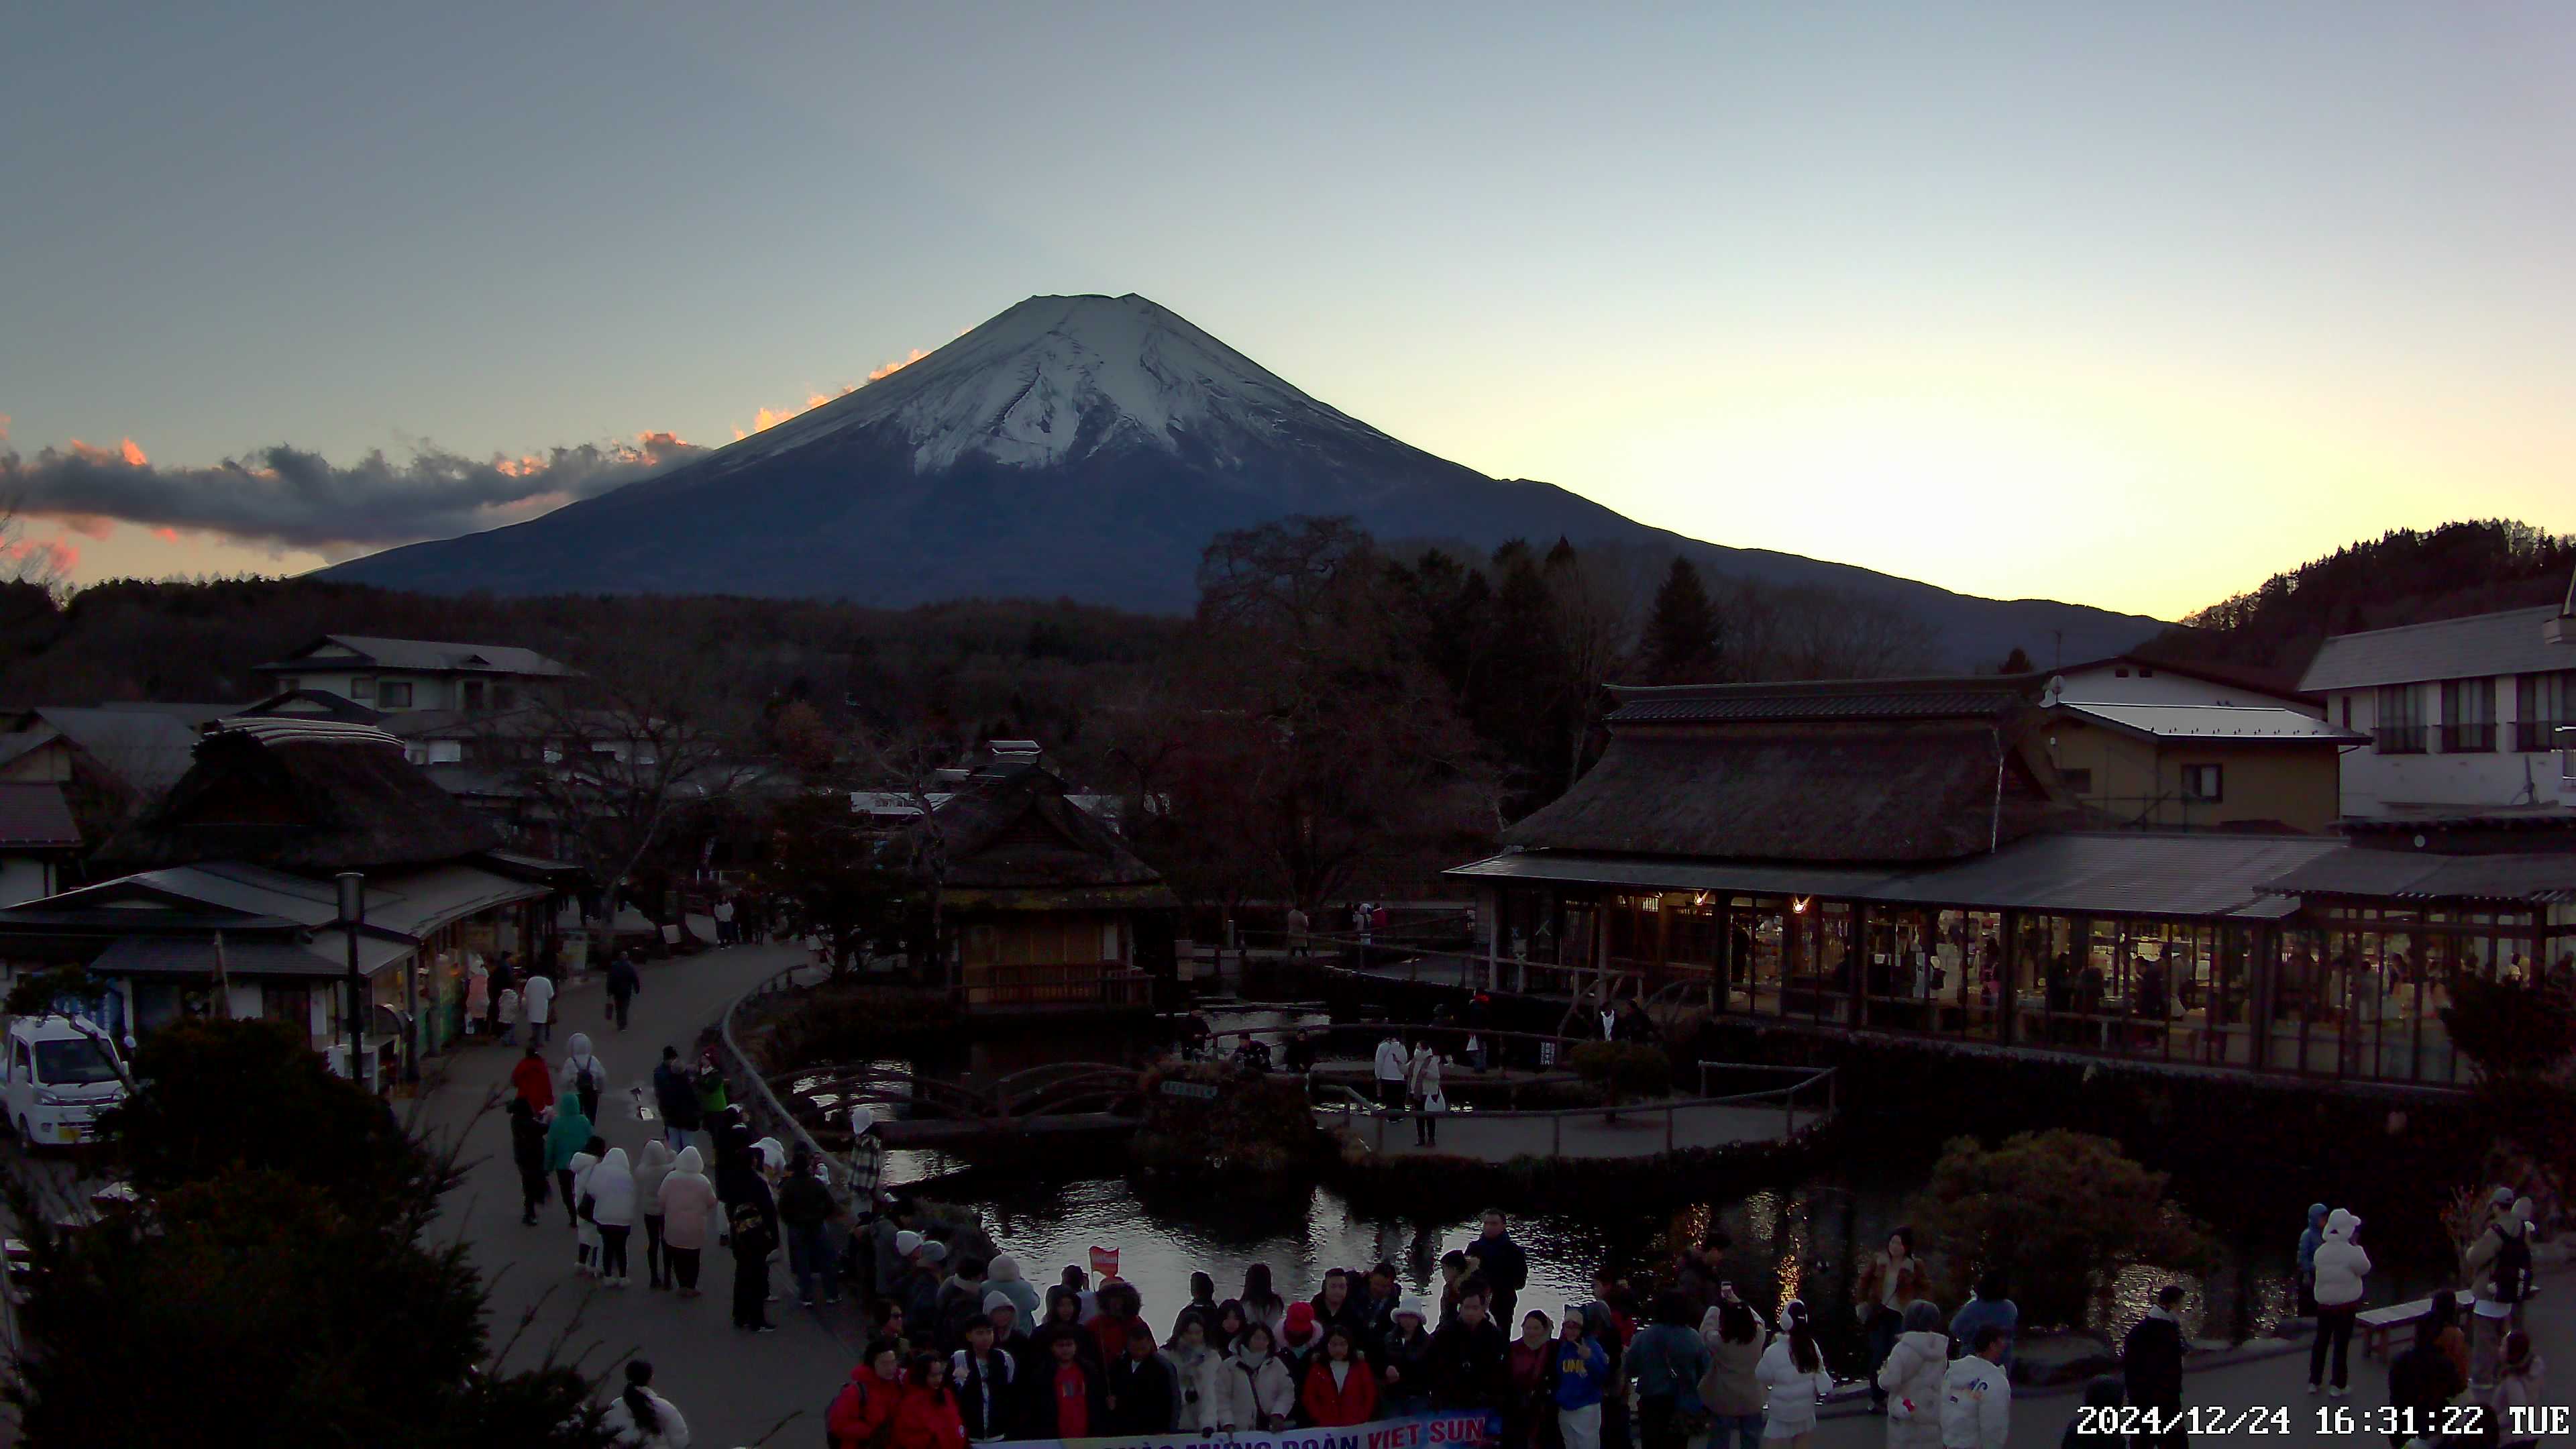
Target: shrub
x=2510, y=1029
x=1624, y=1070
x=2061, y=1212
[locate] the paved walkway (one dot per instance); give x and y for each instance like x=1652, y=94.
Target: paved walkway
x=1639, y=1132
x=732, y=1386
x=2272, y=1381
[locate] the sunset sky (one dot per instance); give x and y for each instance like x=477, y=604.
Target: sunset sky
x=2125, y=305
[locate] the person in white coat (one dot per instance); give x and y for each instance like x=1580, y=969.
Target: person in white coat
x=1391, y=1072
x=612, y=1190
x=537, y=999
x=1794, y=1380
x=2341, y=1265
x=583, y=1075
x=1912, y=1377
x=1253, y=1391
x=1195, y=1365
x=585, y=1231
x=1430, y=1104
x=1976, y=1395
x=642, y=1417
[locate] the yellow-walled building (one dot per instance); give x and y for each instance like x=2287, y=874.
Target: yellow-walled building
x=2160, y=746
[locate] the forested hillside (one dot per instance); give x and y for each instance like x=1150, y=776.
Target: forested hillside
x=2404, y=576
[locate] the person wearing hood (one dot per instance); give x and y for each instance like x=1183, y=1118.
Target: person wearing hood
x=1007, y=1279
x=528, y=1154
x=1582, y=1380
x=861, y=1415
x=2500, y=1269
x=986, y=1379
x=1976, y=1396
x=1794, y=1381
x=1912, y=1375
x=921, y=1287
x=612, y=1194
x=580, y=1072
x=688, y=1218
x=585, y=1228
x=2151, y=1362
x=651, y=1169
x=1193, y=1363
x=2310, y=1239
x=1404, y=1361
x=566, y=1135
x=2341, y=1265
x=1255, y=1393
x=1299, y=1339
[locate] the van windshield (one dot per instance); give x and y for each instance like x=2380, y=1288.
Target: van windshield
x=74, y=1063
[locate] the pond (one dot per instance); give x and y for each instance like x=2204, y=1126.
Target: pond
x=1782, y=1240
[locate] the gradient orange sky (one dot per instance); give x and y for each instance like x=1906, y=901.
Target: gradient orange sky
x=2130, y=309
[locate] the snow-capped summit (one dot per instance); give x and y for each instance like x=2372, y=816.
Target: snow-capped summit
x=1084, y=448
x=1056, y=377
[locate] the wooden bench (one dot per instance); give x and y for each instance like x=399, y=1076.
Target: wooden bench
x=2375, y=1326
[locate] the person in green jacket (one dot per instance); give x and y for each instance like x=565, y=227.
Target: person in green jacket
x=567, y=1133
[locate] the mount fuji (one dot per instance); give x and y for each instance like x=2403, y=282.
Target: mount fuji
x=1087, y=447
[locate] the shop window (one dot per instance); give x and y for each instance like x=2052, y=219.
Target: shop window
x=2204, y=783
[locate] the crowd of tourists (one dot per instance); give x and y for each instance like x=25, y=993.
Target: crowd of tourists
x=968, y=1351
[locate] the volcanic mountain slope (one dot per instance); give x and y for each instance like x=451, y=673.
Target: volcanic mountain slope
x=1086, y=447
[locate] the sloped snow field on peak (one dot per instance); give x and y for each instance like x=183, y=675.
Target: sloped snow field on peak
x=1054, y=374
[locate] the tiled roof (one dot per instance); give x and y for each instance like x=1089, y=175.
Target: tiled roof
x=2218, y=722
x=35, y=816
x=2358, y=871
x=1960, y=697
x=421, y=655
x=2470, y=648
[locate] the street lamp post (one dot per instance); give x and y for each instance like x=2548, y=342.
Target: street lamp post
x=353, y=915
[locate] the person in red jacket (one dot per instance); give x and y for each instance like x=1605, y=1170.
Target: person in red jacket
x=928, y=1416
x=533, y=1080
x=862, y=1415
x=1121, y=1309
x=1341, y=1389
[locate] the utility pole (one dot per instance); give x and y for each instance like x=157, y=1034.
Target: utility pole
x=353, y=915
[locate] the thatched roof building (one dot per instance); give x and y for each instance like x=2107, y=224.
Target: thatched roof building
x=1014, y=839
x=1877, y=771
x=307, y=797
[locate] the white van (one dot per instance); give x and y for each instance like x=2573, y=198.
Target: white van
x=60, y=1073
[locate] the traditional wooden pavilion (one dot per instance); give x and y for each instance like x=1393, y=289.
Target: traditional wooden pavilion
x=1896, y=856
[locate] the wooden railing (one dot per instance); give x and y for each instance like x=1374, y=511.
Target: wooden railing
x=1102, y=983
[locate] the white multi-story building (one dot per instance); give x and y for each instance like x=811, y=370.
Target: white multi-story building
x=2465, y=716
x=391, y=676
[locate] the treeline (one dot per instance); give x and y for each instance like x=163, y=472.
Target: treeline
x=2405, y=576
x=999, y=668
